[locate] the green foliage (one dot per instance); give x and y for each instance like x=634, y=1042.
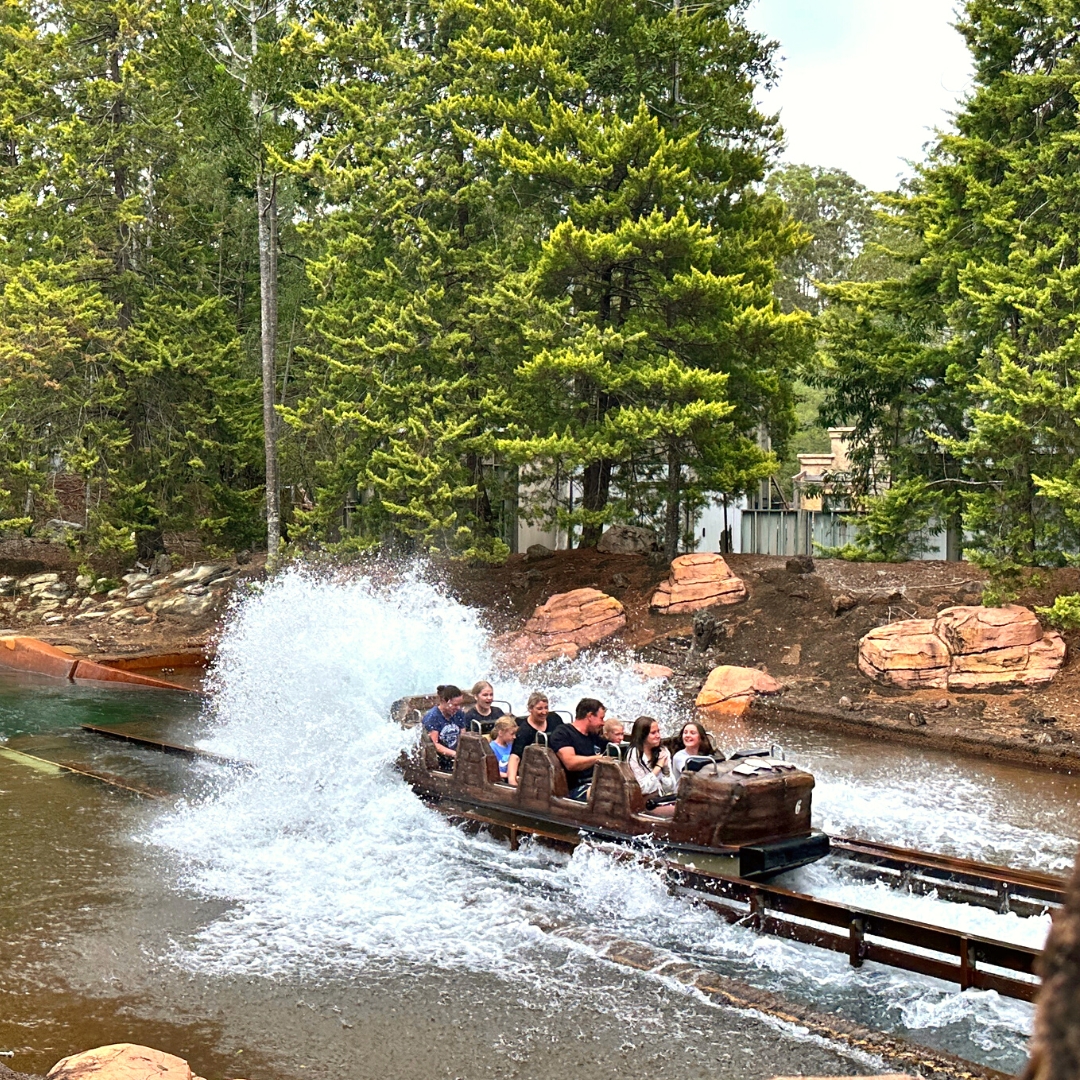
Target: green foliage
x=1064, y=613
x=894, y=527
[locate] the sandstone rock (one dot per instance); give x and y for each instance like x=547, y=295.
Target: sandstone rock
x=7, y=586
x=652, y=671
x=906, y=653
x=535, y=552
x=979, y=629
x=697, y=581
x=729, y=690
x=121, y=1061
x=84, y=582
x=627, y=540
x=964, y=648
x=567, y=623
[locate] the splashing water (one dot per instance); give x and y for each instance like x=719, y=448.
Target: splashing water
x=327, y=861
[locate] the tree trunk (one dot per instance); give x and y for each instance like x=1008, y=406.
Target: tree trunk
x=671, y=526
x=266, y=198
x=597, y=485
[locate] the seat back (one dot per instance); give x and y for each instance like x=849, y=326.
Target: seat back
x=540, y=778
x=615, y=793
x=476, y=764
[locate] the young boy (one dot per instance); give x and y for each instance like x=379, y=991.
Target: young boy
x=613, y=731
x=502, y=741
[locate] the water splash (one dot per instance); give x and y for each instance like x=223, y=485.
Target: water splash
x=324, y=860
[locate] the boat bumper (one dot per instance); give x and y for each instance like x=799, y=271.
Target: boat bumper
x=764, y=860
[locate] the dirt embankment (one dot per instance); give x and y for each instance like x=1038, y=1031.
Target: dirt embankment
x=803, y=628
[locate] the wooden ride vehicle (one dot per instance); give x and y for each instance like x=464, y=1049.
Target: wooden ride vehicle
x=745, y=817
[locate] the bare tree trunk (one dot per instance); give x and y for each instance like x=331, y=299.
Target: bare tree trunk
x=671, y=525
x=596, y=488
x=266, y=197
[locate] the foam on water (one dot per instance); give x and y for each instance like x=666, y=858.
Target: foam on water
x=326, y=861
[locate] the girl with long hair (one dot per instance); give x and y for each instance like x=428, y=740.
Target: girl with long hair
x=693, y=741
x=650, y=763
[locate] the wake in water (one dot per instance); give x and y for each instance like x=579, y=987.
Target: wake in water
x=329, y=863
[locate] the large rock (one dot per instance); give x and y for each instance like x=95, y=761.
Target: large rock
x=567, y=623
x=697, y=581
x=964, y=648
x=122, y=1061
x=906, y=653
x=729, y=690
x=627, y=540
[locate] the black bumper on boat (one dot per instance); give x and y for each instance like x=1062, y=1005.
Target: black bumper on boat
x=764, y=860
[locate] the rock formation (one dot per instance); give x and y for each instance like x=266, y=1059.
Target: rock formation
x=729, y=690
x=627, y=540
x=567, y=623
x=697, y=581
x=122, y=1061
x=964, y=648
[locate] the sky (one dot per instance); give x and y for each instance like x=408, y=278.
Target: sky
x=863, y=83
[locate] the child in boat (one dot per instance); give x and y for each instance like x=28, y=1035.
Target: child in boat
x=502, y=741
x=651, y=765
x=483, y=710
x=613, y=730
x=694, y=741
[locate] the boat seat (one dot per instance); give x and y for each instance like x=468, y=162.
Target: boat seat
x=476, y=765
x=541, y=776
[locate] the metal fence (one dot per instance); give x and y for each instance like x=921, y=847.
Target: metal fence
x=793, y=532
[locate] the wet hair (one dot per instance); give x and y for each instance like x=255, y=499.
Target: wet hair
x=535, y=698
x=613, y=726
x=448, y=692
x=480, y=686
x=705, y=745
x=504, y=723
x=638, y=734
x=586, y=706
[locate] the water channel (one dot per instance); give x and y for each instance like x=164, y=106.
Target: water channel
x=312, y=917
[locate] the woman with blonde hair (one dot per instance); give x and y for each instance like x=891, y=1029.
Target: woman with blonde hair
x=539, y=721
x=483, y=711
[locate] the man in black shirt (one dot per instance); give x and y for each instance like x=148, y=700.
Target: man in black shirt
x=580, y=746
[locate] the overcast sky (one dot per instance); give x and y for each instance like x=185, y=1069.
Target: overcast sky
x=863, y=83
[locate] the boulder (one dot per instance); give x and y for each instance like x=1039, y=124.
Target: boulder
x=906, y=653
x=729, y=690
x=121, y=1061
x=28, y=583
x=800, y=564
x=651, y=671
x=535, y=552
x=181, y=604
x=199, y=575
x=627, y=540
x=964, y=648
x=697, y=581
x=980, y=629
x=567, y=623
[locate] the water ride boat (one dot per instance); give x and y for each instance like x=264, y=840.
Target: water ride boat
x=748, y=816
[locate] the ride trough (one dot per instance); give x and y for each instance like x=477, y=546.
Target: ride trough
x=748, y=816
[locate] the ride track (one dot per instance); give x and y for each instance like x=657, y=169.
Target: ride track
x=953, y=956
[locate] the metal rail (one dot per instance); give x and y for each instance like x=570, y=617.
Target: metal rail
x=1023, y=892
x=865, y=935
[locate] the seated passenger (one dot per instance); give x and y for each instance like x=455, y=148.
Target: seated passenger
x=613, y=731
x=651, y=765
x=502, y=741
x=580, y=746
x=694, y=741
x=483, y=710
x=538, y=720
x=444, y=723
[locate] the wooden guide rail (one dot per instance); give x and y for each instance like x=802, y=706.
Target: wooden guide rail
x=1023, y=892
x=799, y=917
x=167, y=747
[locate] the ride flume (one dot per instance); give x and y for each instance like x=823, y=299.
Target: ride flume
x=862, y=934
x=736, y=824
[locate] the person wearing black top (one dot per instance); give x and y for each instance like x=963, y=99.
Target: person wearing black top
x=483, y=711
x=539, y=719
x=580, y=746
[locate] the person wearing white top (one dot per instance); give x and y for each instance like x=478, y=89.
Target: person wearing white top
x=695, y=741
x=651, y=765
